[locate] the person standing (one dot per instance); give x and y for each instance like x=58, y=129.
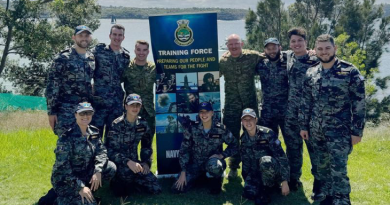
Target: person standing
x=111, y=61
x=332, y=118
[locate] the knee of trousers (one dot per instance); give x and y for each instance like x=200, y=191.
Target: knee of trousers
x=268, y=163
x=109, y=170
x=215, y=167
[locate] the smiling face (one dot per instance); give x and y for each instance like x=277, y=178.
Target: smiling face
x=234, y=44
x=116, y=37
x=326, y=51
x=83, y=39
x=83, y=118
x=272, y=51
x=249, y=123
x=298, y=44
x=206, y=116
x=141, y=52
x=133, y=109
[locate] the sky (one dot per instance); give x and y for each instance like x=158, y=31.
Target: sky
x=239, y=4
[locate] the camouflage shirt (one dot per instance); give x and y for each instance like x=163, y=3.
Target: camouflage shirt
x=296, y=68
x=274, y=84
x=197, y=146
x=266, y=143
x=109, y=69
x=334, y=97
x=77, y=159
x=69, y=80
x=239, y=75
x=140, y=80
x=123, y=139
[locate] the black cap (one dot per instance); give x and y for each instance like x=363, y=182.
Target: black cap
x=205, y=106
x=82, y=28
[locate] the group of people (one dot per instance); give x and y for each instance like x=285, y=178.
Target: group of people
x=316, y=98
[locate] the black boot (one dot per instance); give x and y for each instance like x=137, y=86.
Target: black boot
x=118, y=187
x=327, y=201
x=49, y=198
x=294, y=184
x=215, y=185
x=341, y=199
x=317, y=195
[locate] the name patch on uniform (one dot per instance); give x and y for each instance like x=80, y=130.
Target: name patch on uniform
x=263, y=142
x=216, y=136
x=142, y=129
x=342, y=73
x=94, y=136
x=309, y=61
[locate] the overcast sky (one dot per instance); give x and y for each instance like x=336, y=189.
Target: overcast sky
x=241, y=4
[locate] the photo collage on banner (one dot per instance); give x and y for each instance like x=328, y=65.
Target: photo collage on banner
x=185, y=50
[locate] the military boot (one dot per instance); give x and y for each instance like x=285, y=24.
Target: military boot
x=118, y=187
x=327, y=201
x=233, y=174
x=317, y=195
x=215, y=185
x=294, y=184
x=341, y=199
x=49, y=198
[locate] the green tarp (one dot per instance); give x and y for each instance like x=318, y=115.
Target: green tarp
x=20, y=102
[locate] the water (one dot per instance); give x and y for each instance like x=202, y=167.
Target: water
x=137, y=29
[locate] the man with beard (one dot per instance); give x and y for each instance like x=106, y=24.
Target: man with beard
x=192, y=103
x=238, y=67
x=298, y=62
x=332, y=118
x=69, y=83
x=274, y=86
x=111, y=60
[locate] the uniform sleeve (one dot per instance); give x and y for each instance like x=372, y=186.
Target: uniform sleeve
x=153, y=74
x=62, y=177
x=260, y=66
x=279, y=154
x=185, y=149
x=222, y=68
x=245, y=158
x=101, y=156
x=146, y=147
x=113, y=146
x=232, y=144
x=54, y=82
x=305, y=105
x=357, y=96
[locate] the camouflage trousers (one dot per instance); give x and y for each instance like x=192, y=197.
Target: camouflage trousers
x=65, y=118
x=294, y=149
x=105, y=115
x=127, y=179
x=269, y=175
x=151, y=119
x=273, y=120
x=232, y=120
x=74, y=198
x=332, y=145
x=198, y=175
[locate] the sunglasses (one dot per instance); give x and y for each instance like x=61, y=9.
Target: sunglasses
x=86, y=113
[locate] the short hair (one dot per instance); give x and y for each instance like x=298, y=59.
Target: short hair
x=207, y=76
x=142, y=42
x=325, y=38
x=298, y=31
x=117, y=26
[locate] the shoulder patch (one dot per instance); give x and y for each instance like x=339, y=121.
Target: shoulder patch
x=67, y=50
x=117, y=120
x=264, y=129
x=345, y=63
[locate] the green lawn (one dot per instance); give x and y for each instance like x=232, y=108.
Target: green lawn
x=26, y=159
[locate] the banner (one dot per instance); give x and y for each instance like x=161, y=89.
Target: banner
x=185, y=50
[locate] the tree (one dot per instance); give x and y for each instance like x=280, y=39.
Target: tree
x=29, y=33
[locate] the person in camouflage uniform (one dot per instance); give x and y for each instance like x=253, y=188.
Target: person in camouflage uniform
x=69, y=81
x=298, y=62
x=122, y=146
x=264, y=163
x=81, y=161
x=274, y=86
x=201, y=152
x=111, y=60
x=332, y=117
x=139, y=78
x=238, y=68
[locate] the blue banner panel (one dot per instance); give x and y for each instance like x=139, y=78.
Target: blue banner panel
x=185, y=50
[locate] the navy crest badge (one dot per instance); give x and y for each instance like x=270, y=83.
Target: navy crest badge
x=183, y=34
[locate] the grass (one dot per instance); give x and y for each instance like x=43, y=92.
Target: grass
x=26, y=160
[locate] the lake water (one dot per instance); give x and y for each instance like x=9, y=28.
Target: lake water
x=139, y=29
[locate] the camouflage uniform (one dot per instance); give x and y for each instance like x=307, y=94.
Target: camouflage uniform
x=240, y=91
x=108, y=99
x=264, y=163
x=333, y=109
x=77, y=159
x=296, y=68
x=140, y=80
x=122, y=145
x=196, y=148
x=274, y=86
x=69, y=82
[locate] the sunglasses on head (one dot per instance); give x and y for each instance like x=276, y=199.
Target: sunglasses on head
x=86, y=113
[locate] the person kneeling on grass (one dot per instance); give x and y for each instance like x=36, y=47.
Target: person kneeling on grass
x=81, y=161
x=122, y=144
x=264, y=163
x=201, y=152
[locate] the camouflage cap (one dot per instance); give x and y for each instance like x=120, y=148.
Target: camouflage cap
x=271, y=40
x=82, y=28
x=205, y=106
x=248, y=112
x=214, y=167
x=84, y=106
x=133, y=98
